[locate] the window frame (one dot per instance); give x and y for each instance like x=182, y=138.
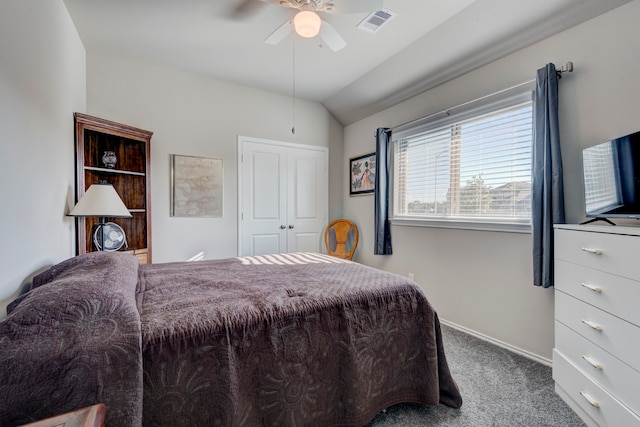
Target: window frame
x=422, y=125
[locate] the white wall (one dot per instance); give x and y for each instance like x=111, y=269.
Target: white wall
x=42, y=82
x=482, y=280
x=198, y=116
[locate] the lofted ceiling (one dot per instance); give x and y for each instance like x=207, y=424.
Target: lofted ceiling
x=426, y=44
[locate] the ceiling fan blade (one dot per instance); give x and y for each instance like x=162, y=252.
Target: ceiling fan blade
x=246, y=9
x=357, y=6
x=331, y=37
x=280, y=33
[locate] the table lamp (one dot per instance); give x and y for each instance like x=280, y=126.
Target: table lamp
x=100, y=200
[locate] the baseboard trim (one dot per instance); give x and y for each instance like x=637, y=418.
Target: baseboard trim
x=499, y=343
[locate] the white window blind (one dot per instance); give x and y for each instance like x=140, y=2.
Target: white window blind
x=474, y=167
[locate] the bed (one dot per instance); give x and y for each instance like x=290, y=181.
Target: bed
x=283, y=340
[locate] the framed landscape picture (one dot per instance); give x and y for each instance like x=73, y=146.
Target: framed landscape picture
x=362, y=173
x=196, y=186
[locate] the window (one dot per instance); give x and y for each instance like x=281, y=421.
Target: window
x=474, y=167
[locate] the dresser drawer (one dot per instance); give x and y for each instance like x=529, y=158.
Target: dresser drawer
x=617, y=254
x=616, y=377
x=596, y=402
x=614, y=294
x=616, y=336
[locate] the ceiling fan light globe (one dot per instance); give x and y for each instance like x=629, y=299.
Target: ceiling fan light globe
x=307, y=23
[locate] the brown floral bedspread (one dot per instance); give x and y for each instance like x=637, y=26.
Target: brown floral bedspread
x=296, y=340
x=72, y=341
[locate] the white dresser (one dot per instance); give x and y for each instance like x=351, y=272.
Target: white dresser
x=596, y=359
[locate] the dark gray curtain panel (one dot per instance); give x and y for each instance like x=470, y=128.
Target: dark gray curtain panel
x=382, y=232
x=547, y=198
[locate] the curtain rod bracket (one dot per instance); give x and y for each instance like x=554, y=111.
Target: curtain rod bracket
x=567, y=68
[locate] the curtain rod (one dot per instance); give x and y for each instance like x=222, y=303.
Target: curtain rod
x=567, y=68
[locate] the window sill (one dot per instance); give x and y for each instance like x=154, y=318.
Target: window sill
x=463, y=225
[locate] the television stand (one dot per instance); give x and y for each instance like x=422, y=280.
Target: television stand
x=598, y=219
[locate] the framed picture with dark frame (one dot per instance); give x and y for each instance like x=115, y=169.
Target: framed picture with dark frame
x=362, y=174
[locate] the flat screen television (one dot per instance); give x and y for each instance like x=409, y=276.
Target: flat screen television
x=612, y=178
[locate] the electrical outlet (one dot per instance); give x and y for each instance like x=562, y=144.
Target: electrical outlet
x=410, y=276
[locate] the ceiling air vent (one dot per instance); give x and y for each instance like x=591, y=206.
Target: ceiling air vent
x=376, y=20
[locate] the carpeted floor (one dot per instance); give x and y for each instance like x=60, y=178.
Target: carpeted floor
x=499, y=388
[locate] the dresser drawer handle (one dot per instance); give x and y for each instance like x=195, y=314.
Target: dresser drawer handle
x=592, y=362
x=590, y=399
x=592, y=325
x=591, y=287
x=593, y=251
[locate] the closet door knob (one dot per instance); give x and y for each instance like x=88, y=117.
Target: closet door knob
x=282, y=227
x=291, y=226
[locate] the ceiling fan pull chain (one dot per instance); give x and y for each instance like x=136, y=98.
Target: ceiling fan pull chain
x=293, y=128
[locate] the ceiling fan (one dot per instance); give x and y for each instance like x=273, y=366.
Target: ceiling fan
x=307, y=23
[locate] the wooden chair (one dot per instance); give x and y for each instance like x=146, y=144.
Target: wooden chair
x=341, y=228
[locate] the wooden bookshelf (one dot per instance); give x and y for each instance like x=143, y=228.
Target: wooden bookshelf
x=129, y=176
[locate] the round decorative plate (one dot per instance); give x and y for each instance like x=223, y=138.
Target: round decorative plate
x=114, y=237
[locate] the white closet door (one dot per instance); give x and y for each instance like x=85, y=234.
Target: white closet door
x=307, y=199
x=284, y=197
x=263, y=220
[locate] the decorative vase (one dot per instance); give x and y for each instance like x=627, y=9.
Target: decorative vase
x=109, y=159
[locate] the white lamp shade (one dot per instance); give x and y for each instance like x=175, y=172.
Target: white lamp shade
x=100, y=200
x=307, y=23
